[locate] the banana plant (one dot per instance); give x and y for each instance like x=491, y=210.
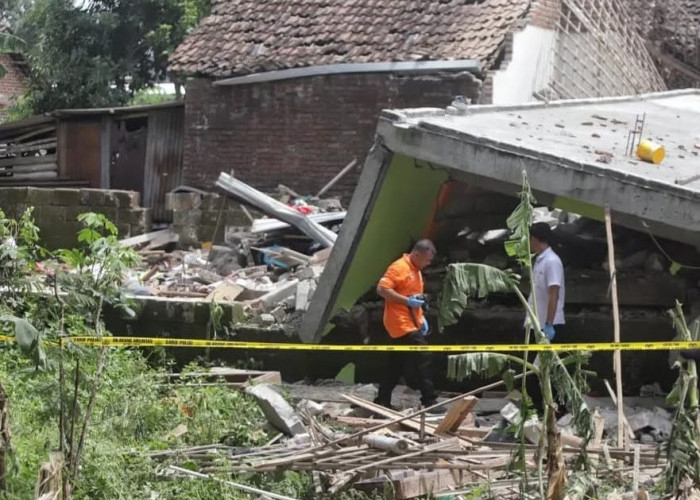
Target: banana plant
x=465, y=281
x=683, y=448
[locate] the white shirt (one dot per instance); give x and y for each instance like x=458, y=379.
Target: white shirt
x=548, y=271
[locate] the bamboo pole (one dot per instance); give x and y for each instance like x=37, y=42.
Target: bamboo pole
x=239, y=486
x=617, y=358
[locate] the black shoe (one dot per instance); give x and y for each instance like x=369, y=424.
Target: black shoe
x=385, y=404
x=440, y=410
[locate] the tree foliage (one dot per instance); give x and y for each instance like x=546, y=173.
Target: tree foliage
x=100, y=52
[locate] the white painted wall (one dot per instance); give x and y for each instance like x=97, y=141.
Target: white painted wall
x=530, y=68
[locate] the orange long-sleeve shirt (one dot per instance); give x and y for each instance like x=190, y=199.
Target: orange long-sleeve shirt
x=404, y=278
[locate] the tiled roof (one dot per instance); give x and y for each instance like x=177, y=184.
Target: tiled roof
x=250, y=36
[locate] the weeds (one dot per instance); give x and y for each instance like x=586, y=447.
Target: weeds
x=104, y=413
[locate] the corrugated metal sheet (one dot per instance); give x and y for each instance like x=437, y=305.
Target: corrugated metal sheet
x=163, y=166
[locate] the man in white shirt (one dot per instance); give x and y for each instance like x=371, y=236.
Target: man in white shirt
x=548, y=275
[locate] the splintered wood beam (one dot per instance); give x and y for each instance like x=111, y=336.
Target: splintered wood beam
x=456, y=415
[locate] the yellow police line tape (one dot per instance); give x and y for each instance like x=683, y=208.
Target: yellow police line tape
x=235, y=344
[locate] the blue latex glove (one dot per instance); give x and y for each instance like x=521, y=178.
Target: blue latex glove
x=425, y=328
x=414, y=302
x=549, y=332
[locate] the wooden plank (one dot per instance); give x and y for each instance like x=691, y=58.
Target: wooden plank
x=32, y=176
x=363, y=422
x=456, y=415
x=347, y=476
x=385, y=412
x=474, y=432
x=416, y=484
x=27, y=160
x=27, y=169
x=32, y=133
x=36, y=146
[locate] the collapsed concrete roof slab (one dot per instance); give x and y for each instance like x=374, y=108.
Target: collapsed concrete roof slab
x=574, y=153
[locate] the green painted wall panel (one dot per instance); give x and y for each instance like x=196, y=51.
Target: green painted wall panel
x=401, y=215
x=579, y=207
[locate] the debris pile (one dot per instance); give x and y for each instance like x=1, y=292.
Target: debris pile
x=271, y=267
x=346, y=441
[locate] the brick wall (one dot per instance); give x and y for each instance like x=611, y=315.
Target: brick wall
x=12, y=84
x=299, y=132
x=544, y=13
x=56, y=211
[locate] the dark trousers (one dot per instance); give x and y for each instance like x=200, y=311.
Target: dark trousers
x=414, y=366
x=533, y=384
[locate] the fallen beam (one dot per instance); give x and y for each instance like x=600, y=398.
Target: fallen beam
x=267, y=225
x=244, y=193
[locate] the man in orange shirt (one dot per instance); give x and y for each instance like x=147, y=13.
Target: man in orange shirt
x=401, y=287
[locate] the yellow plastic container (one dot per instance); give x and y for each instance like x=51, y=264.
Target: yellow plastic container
x=651, y=152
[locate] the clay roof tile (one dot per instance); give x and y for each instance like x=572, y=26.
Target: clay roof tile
x=309, y=32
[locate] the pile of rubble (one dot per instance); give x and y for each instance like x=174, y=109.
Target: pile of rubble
x=254, y=268
x=345, y=441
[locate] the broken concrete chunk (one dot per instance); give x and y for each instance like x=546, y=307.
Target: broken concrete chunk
x=279, y=294
x=312, y=407
x=304, y=292
x=223, y=259
x=279, y=313
x=290, y=302
x=305, y=273
x=303, y=439
x=253, y=289
x=276, y=409
x=312, y=272
x=658, y=420
x=206, y=277
x=225, y=291
x=267, y=319
x=511, y=413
